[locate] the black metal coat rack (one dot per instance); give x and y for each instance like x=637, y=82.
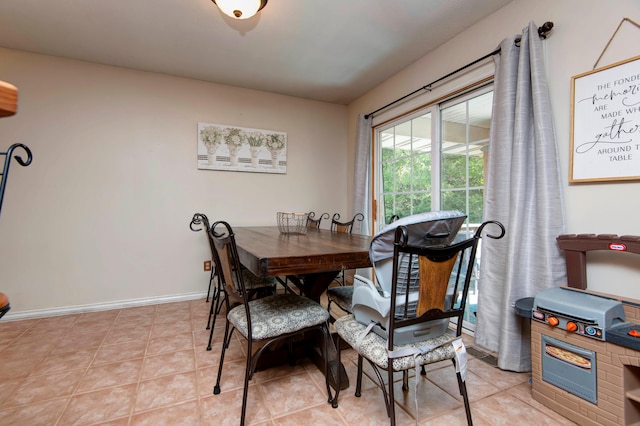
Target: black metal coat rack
x=8, y=107
x=7, y=163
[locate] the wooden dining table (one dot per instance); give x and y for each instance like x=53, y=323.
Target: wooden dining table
x=311, y=261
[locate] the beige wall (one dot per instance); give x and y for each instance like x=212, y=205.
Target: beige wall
x=582, y=29
x=101, y=215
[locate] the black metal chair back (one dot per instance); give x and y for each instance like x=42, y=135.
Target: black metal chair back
x=444, y=273
x=345, y=227
x=226, y=258
x=313, y=222
x=200, y=222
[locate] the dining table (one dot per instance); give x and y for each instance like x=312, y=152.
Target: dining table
x=311, y=261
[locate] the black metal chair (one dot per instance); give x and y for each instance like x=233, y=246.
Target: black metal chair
x=199, y=222
x=342, y=297
x=256, y=286
x=428, y=284
x=263, y=321
x=346, y=228
x=313, y=222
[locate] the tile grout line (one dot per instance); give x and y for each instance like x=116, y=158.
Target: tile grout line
x=144, y=356
x=195, y=360
x=84, y=374
x=198, y=398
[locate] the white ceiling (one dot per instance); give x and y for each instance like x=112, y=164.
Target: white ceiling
x=327, y=50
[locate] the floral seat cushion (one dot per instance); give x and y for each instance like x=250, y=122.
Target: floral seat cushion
x=273, y=316
x=342, y=296
x=252, y=282
x=374, y=348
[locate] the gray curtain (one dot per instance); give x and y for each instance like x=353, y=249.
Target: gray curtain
x=362, y=172
x=524, y=192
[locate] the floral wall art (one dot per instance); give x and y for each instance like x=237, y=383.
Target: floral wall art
x=241, y=149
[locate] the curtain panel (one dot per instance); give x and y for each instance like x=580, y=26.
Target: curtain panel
x=524, y=192
x=362, y=172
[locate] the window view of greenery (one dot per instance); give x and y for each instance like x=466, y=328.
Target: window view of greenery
x=406, y=161
x=406, y=168
x=465, y=137
x=407, y=171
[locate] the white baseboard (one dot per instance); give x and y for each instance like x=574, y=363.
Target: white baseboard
x=42, y=313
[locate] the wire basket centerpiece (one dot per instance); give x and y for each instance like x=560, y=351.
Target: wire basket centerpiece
x=292, y=223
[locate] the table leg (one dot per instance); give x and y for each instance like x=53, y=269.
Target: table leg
x=335, y=367
x=313, y=286
x=310, y=346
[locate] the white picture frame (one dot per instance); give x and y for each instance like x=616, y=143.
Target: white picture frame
x=605, y=123
x=241, y=149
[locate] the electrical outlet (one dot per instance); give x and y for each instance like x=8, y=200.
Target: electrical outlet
x=207, y=265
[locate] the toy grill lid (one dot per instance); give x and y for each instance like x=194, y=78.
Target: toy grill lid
x=588, y=308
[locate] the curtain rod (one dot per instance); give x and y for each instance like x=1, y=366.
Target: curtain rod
x=542, y=32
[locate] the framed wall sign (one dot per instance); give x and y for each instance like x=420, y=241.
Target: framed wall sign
x=605, y=123
x=241, y=149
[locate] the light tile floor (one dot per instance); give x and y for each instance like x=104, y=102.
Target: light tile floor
x=149, y=366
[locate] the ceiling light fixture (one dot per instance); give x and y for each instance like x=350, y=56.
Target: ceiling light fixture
x=240, y=9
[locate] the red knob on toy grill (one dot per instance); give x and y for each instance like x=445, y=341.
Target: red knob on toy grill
x=571, y=326
x=553, y=321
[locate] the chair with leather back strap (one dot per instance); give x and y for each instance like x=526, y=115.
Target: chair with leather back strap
x=263, y=321
x=199, y=222
x=429, y=288
x=313, y=222
x=256, y=286
x=346, y=228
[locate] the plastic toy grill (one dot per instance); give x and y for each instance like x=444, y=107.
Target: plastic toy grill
x=292, y=223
